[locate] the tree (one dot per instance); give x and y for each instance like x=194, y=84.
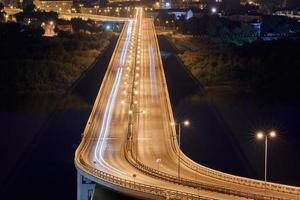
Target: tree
x=269, y=6
x=1, y=7
x=29, y=8
x=77, y=24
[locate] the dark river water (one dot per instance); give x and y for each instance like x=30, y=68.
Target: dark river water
x=37, y=148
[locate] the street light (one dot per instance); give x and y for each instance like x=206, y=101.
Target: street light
x=185, y=123
x=260, y=136
x=213, y=10
x=158, y=161
x=134, y=176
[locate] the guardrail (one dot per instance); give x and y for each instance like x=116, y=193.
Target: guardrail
x=241, y=180
x=199, y=185
x=214, y=173
x=160, y=192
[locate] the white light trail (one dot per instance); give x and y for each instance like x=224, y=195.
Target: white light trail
x=152, y=72
x=101, y=144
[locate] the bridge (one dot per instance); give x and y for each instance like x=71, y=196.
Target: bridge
x=70, y=15
x=85, y=16
x=12, y=11
x=129, y=144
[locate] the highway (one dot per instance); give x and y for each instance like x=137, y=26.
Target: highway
x=130, y=144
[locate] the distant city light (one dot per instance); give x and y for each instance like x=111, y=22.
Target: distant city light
x=213, y=10
x=107, y=27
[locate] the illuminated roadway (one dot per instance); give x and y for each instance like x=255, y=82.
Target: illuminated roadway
x=68, y=16
x=129, y=130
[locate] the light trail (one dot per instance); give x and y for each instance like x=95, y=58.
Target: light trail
x=152, y=73
x=125, y=48
x=105, y=126
x=101, y=145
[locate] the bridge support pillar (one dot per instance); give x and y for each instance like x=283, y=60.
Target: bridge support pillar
x=85, y=187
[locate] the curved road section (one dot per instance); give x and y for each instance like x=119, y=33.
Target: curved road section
x=129, y=144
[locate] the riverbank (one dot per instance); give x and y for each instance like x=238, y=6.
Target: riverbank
x=224, y=122
x=41, y=145
x=46, y=67
x=259, y=68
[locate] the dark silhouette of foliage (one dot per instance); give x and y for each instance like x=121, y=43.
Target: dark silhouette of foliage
x=44, y=64
x=260, y=67
x=29, y=8
x=1, y=6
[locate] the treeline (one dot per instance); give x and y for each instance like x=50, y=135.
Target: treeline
x=224, y=30
x=265, y=68
x=279, y=25
x=227, y=31
x=31, y=63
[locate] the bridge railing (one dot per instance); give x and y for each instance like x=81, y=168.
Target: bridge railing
x=199, y=185
x=241, y=180
x=161, y=193
x=211, y=172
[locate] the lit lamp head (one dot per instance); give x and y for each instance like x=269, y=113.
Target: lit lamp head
x=272, y=134
x=260, y=135
x=186, y=122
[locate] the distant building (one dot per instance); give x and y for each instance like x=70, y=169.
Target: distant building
x=203, y=4
x=165, y=4
x=57, y=6
x=12, y=3
x=119, y=1
x=224, y=2
x=178, y=13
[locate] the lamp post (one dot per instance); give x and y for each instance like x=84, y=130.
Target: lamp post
x=261, y=136
x=185, y=123
x=158, y=22
x=158, y=161
x=134, y=176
